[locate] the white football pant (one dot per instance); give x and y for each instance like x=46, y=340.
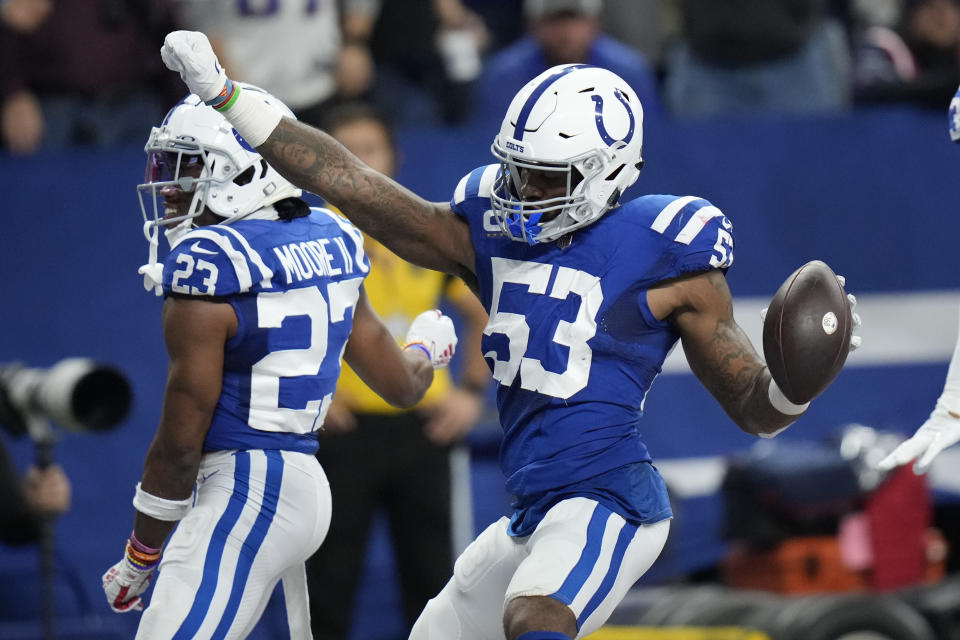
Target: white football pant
x=581, y=553
x=257, y=517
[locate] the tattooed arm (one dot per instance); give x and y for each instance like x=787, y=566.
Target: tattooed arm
x=719, y=352
x=426, y=233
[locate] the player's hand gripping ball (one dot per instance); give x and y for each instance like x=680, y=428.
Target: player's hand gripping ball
x=808, y=331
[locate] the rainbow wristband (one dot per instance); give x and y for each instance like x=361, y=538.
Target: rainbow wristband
x=418, y=345
x=141, y=561
x=227, y=96
x=142, y=548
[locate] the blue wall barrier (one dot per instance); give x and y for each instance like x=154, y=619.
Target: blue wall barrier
x=872, y=194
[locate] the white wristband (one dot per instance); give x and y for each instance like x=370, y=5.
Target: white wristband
x=160, y=508
x=253, y=118
x=781, y=403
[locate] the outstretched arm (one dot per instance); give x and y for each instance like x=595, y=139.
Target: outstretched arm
x=720, y=353
x=426, y=233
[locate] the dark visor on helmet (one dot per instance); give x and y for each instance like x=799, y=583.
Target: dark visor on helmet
x=162, y=166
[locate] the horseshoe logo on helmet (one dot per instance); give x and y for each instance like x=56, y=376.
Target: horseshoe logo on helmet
x=602, y=130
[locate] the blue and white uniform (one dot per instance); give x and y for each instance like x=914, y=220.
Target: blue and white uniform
x=574, y=347
x=262, y=504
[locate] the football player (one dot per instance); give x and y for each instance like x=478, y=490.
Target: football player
x=586, y=296
x=263, y=296
x=942, y=428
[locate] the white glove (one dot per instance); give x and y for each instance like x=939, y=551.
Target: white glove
x=123, y=583
x=434, y=332
x=855, y=341
x=941, y=430
x=189, y=53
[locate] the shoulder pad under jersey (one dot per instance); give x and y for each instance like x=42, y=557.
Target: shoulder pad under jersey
x=476, y=184
x=471, y=199
x=700, y=235
x=214, y=261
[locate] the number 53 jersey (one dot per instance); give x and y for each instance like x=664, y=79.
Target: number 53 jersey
x=571, y=340
x=293, y=285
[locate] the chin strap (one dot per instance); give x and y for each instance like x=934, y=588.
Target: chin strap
x=152, y=272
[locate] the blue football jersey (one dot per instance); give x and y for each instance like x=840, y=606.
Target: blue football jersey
x=293, y=285
x=571, y=340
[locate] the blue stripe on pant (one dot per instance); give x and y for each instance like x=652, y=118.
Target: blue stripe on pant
x=588, y=559
x=623, y=540
x=251, y=545
x=211, y=567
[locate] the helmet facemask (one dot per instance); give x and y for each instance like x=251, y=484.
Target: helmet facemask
x=182, y=166
x=535, y=221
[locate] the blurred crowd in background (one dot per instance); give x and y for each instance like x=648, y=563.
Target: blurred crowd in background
x=88, y=72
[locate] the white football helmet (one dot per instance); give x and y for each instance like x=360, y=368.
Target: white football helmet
x=195, y=149
x=580, y=120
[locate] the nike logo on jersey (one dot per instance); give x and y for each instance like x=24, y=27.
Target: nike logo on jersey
x=208, y=475
x=196, y=248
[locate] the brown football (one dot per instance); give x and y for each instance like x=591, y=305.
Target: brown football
x=806, y=332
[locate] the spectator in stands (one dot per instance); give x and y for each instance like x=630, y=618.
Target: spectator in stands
x=560, y=32
x=294, y=47
x=24, y=503
x=24, y=15
x=379, y=458
x=915, y=60
x=748, y=57
x=503, y=20
x=645, y=25
x=84, y=72
x=416, y=60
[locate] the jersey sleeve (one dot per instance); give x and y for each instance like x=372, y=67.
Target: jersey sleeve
x=471, y=198
x=214, y=261
x=700, y=235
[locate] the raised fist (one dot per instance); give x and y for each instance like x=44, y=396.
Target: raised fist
x=189, y=53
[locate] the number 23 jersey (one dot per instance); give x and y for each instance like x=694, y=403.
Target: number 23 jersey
x=571, y=340
x=293, y=286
